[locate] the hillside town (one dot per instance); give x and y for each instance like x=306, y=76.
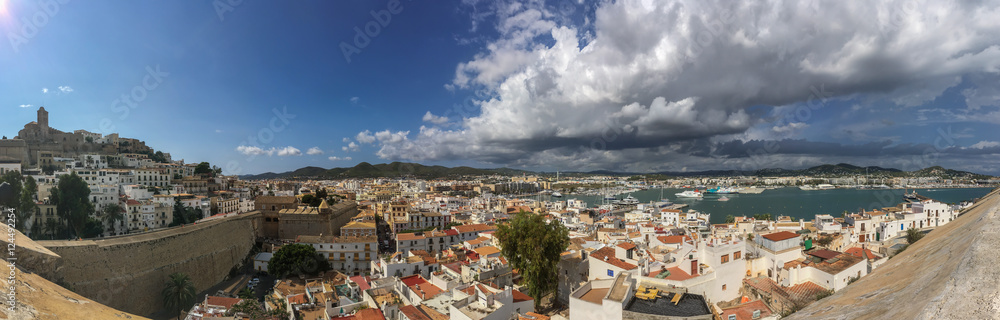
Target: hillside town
x=410, y=248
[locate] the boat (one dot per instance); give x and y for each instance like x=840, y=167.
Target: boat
x=724, y=198
x=630, y=200
x=556, y=194
x=723, y=190
x=689, y=194
x=911, y=196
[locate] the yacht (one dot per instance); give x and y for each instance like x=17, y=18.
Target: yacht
x=689, y=194
x=630, y=200
x=724, y=198
x=556, y=194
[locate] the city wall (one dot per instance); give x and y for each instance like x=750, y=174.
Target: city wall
x=128, y=273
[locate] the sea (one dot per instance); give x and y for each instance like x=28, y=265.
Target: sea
x=789, y=201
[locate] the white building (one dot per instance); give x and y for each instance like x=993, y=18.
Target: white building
x=349, y=255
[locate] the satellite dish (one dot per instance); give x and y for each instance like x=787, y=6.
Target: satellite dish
x=6, y=193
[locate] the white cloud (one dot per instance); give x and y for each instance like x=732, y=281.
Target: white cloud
x=314, y=151
x=218, y=130
x=985, y=144
x=25, y=106
x=365, y=137
x=429, y=117
x=339, y=158
x=45, y=90
x=620, y=84
x=351, y=147
x=254, y=151
x=355, y=100
x=289, y=151
x=257, y=151
x=65, y=89
x=346, y=139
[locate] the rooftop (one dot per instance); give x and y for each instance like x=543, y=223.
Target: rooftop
x=745, y=311
x=781, y=235
x=690, y=305
x=607, y=254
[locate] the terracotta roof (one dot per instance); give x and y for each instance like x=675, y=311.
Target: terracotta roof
x=673, y=239
x=824, y=254
x=487, y=250
x=413, y=313
x=626, y=245
x=408, y=237
x=298, y=299
x=433, y=314
x=782, y=235
x=745, y=311
x=369, y=314
x=520, y=296
x=676, y=274
x=473, y=228
x=222, y=301
x=862, y=253
x=607, y=254
x=426, y=290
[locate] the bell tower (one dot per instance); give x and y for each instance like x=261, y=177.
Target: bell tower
x=43, y=122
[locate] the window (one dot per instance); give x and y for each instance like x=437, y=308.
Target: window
x=723, y=287
x=725, y=258
x=737, y=255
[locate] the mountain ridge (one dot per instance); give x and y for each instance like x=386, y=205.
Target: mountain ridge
x=406, y=169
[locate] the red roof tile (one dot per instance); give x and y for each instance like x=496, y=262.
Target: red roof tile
x=607, y=254
x=222, y=301
x=745, y=311
x=782, y=235
x=520, y=296
x=626, y=245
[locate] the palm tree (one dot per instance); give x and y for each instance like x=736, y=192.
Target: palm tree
x=112, y=213
x=179, y=293
x=246, y=293
x=730, y=219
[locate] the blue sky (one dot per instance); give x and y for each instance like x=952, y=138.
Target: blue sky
x=547, y=85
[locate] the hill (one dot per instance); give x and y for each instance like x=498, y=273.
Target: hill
x=404, y=169
x=388, y=170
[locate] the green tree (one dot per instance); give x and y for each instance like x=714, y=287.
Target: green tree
x=184, y=214
x=824, y=240
x=533, y=246
x=14, y=179
x=72, y=198
x=28, y=206
x=321, y=193
x=203, y=167
x=246, y=293
x=730, y=219
x=92, y=228
x=308, y=198
x=178, y=293
x=296, y=259
x=112, y=213
x=913, y=235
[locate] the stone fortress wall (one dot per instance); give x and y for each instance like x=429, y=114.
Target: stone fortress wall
x=128, y=273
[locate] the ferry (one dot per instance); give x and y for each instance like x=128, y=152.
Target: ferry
x=689, y=194
x=723, y=190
